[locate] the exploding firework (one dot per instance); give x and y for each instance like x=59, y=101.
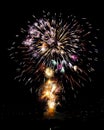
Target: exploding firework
x=57, y=54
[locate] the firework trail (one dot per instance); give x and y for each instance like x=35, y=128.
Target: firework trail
x=57, y=54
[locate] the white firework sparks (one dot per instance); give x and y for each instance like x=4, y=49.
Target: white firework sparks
x=55, y=48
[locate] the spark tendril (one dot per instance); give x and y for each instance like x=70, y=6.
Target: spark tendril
x=56, y=52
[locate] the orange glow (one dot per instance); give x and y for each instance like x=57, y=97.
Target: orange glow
x=50, y=87
x=44, y=47
x=49, y=73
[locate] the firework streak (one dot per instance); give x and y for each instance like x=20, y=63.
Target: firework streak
x=57, y=54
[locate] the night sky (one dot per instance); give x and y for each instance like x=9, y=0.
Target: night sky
x=17, y=103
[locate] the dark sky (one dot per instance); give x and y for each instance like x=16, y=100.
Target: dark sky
x=17, y=102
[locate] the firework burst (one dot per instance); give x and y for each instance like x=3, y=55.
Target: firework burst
x=57, y=53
